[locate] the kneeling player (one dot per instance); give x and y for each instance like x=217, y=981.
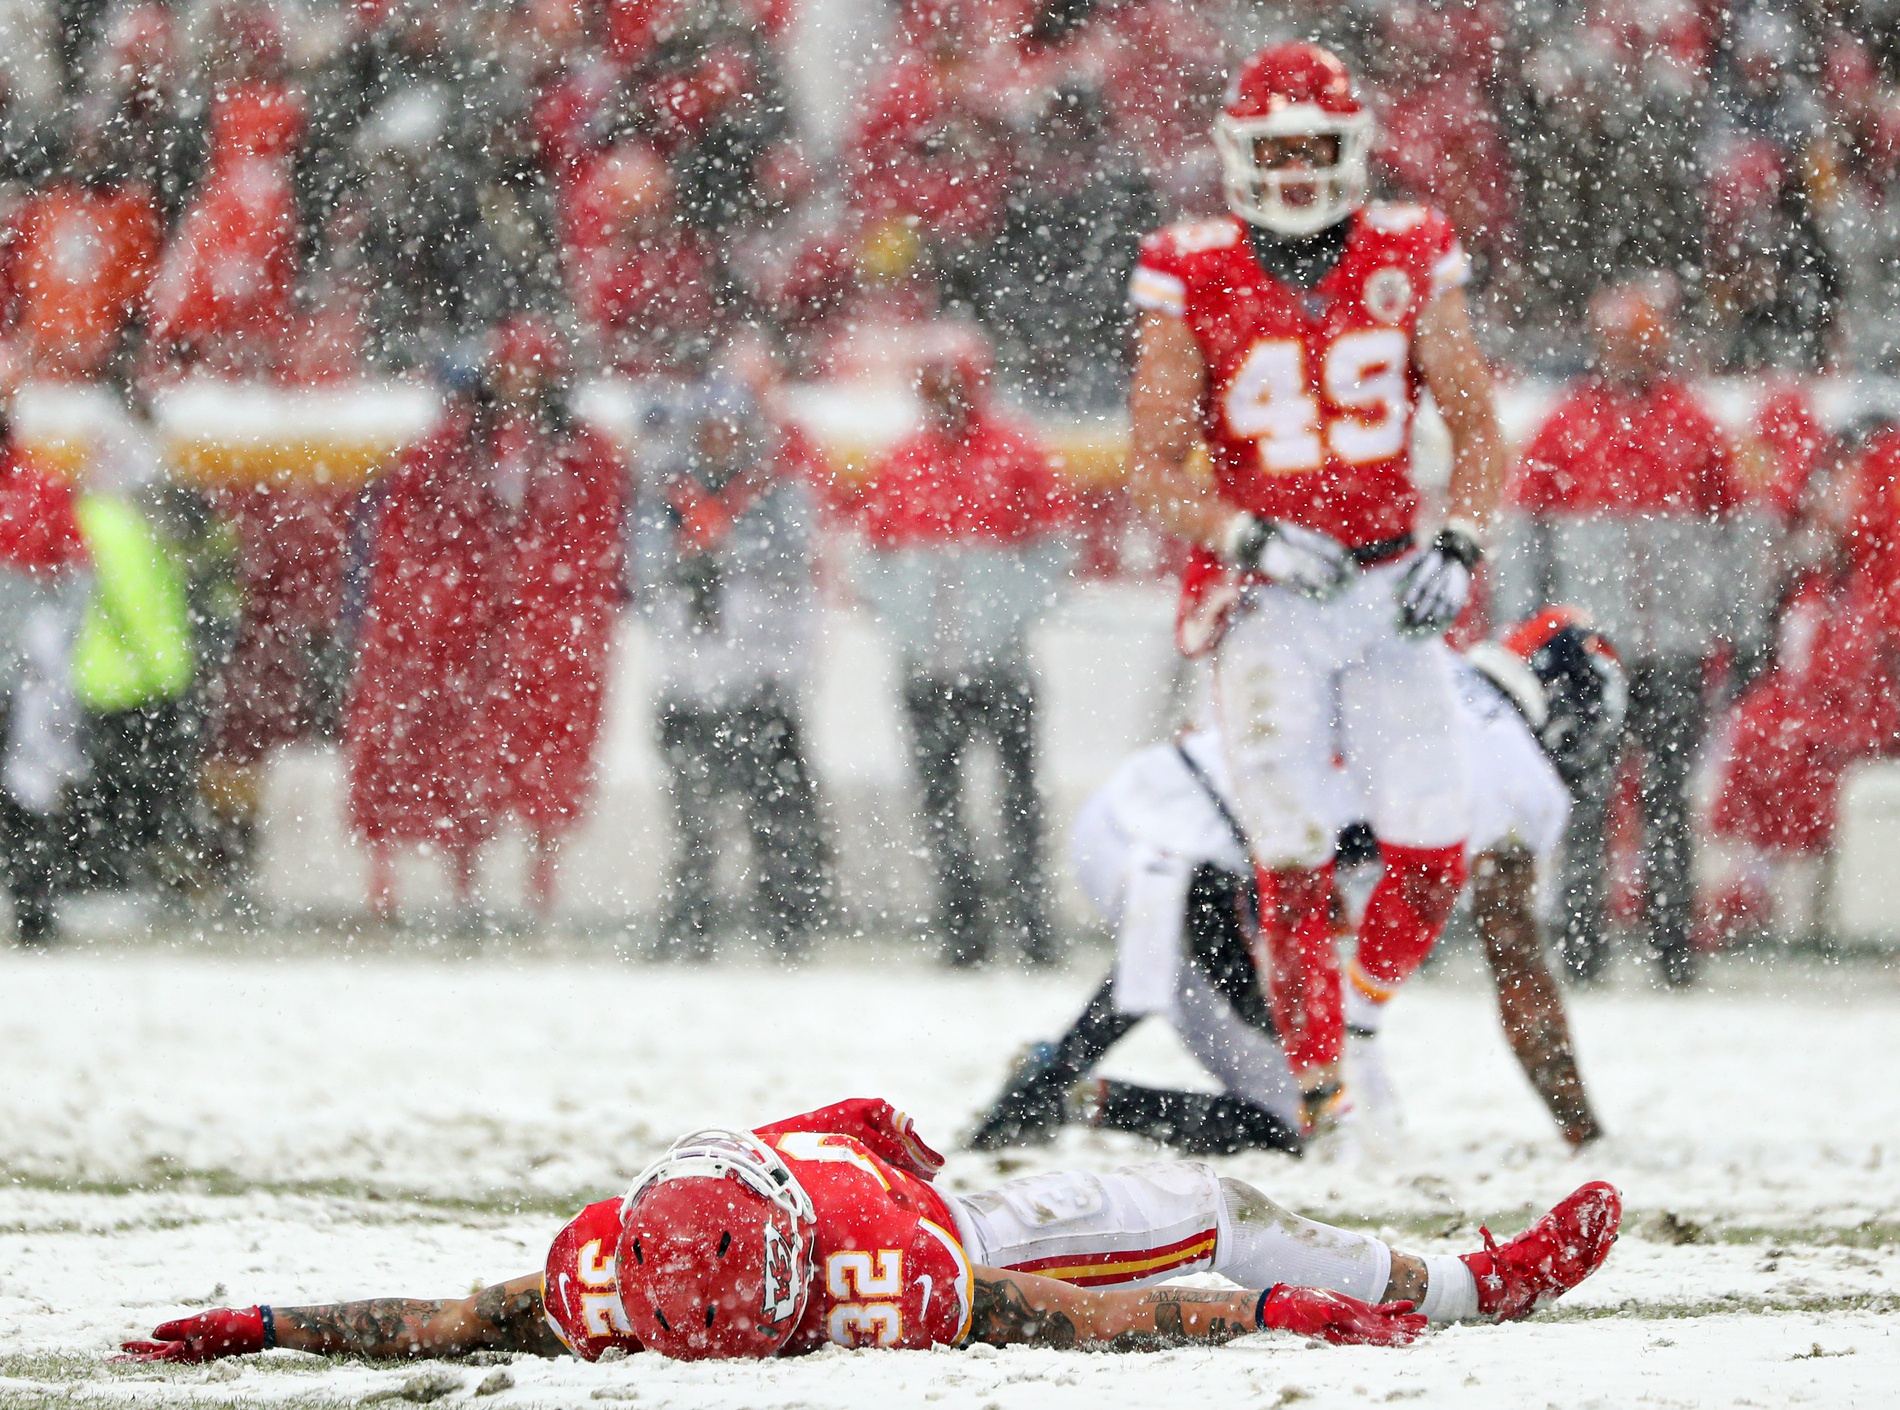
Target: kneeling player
x=1160, y=851
x=826, y=1228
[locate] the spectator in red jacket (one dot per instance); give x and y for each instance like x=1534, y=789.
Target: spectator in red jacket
x=481, y=669
x=1440, y=137
x=642, y=280
x=1160, y=66
x=222, y=298
x=574, y=84
x=1626, y=504
x=933, y=145
x=81, y=261
x=960, y=519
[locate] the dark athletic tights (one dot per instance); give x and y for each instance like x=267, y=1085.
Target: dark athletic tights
x=1195, y=1123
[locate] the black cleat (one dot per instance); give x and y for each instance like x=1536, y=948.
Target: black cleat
x=1030, y=1110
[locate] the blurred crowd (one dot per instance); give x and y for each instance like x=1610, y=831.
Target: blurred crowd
x=316, y=191
x=511, y=199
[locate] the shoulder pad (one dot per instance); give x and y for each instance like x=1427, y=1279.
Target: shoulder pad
x=1191, y=237
x=1395, y=218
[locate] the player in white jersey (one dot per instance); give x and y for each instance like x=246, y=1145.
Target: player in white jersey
x=1161, y=853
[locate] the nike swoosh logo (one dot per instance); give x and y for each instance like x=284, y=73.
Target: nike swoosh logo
x=924, y=1278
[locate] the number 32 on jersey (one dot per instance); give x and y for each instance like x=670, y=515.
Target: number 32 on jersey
x=1363, y=380
x=875, y=1285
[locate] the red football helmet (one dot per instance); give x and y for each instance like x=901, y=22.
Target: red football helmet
x=1293, y=90
x=715, y=1254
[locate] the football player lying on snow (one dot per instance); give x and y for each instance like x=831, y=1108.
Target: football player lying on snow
x=826, y=1228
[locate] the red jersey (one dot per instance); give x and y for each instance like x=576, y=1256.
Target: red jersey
x=1307, y=416
x=82, y=266
x=890, y=1269
x=1606, y=450
x=225, y=284
x=993, y=484
x=38, y=530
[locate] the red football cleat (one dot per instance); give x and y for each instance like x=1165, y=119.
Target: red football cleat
x=1548, y=1259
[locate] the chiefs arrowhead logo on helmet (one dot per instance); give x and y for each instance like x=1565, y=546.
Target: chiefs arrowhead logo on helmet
x=1294, y=141
x=781, y=1296
x=716, y=1248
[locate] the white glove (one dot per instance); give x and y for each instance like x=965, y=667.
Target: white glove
x=1313, y=564
x=1436, y=587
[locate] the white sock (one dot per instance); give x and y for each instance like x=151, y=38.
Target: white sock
x=1362, y=1012
x=1451, y=1293
x=1262, y=1243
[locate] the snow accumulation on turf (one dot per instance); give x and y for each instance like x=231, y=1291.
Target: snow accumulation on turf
x=186, y=1129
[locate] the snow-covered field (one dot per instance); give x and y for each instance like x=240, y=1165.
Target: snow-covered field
x=181, y=1127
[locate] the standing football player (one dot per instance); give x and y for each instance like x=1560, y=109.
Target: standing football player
x=1292, y=339
x=1160, y=852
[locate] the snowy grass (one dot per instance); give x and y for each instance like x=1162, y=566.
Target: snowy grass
x=180, y=1128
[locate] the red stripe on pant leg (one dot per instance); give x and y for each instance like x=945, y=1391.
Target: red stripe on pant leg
x=1086, y=1269
x=1408, y=909
x=1121, y=1255
x=1301, y=963
x=1105, y=1280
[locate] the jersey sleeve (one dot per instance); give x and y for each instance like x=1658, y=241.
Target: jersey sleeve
x=578, y=1287
x=882, y=1129
x=1159, y=284
x=1431, y=242
x=1175, y=260
x=1447, y=265
x=938, y=1298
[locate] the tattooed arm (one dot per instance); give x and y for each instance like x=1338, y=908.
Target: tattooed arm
x=504, y=1317
x=1024, y=1308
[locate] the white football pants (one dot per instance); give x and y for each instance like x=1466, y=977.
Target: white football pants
x=1149, y=1223
x=1298, y=683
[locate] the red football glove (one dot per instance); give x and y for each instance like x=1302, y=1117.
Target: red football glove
x=885, y=1131
x=222, y=1331
x=1334, y=1317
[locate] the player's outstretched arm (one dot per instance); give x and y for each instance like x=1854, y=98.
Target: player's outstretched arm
x=1504, y=890
x=1022, y=1308
x=504, y=1317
